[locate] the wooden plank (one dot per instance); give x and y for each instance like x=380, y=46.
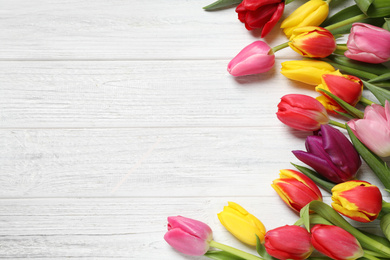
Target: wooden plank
x=141, y=162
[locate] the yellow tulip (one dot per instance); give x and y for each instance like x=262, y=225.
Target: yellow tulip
x=243, y=225
x=312, y=13
x=306, y=71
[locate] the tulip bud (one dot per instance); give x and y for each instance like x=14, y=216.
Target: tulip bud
x=260, y=14
x=296, y=189
x=243, y=225
x=312, y=42
x=358, y=200
x=374, y=129
x=347, y=87
x=306, y=71
x=312, y=13
x=302, y=112
x=331, y=154
x=288, y=242
x=368, y=43
x=254, y=58
x=335, y=242
x=188, y=236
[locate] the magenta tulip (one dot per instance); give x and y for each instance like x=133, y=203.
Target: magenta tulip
x=188, y=236
x=335, y=242
x=374, y=129
x=368, y=43
x=302, y=112
x=288, y=242
x=255, y=58
x=331, y=154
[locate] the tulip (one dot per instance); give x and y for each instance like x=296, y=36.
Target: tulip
x=296, y=189
x=335, y=242
x=347, y=87
x=331, y=154
x=302, y=112
x=358, y=200
x=312, y=42
x=255, y=58
x=374, y=129
x=306, y=71
x=288, y=242
x=368, y=43
x=188, y=236
x=312, y=13
x=262, y=14
x=243, y=225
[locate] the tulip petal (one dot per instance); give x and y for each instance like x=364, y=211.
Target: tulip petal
x=186, y=243
x=274, y=19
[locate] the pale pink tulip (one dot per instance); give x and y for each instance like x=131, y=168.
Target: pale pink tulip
x=255, y=58
x=374, y=129
x=368, y=43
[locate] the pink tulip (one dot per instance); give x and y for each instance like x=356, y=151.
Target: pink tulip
x=188, y=236
x=288, y=242
x=368, y=43
x=335, y=242
x=374, y=129
x=255, y=58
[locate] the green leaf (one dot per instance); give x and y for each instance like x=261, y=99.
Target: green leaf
x=386, y=25
x=304, y=214
x=375, y=69
x=342, y=15
x=377, y=165
x=327, y=185
x=260, y=248
x=222, y=255
x=380, y=93
x=347, y=107
x=385, y=225
x=220, y=4
x=353, y=71
x=289, y=1
x=363, y=5
x=379, y=8
x=381, y=78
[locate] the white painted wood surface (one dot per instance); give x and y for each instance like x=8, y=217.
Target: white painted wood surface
x=116, y=114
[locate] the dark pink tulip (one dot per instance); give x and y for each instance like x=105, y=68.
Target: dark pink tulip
x=188, y=236
x=253, y=59
x=368, y=43
x=335, y=242
x=331, y=154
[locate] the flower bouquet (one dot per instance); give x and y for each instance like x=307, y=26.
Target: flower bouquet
x=347, y=129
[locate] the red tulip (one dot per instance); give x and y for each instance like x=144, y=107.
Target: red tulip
x=296, y=189
x=312, y=42
x=262, y=14
x=358, y=200
x=335, y=242
x=288, y=242
x=302, y=112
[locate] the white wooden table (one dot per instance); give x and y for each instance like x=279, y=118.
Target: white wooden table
x=115, y=114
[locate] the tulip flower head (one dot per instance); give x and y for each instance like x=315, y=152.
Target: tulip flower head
x=312, y=42
x=347, y=87
x=335, y=242
x=358, y=200
x=288, y=242
x=306, y=71
x=253, y=59
x=374, y=129
x=188, y=236
x=296, y=189
x=302, y=112
x=331, y=154
x=260, y=14
x=368, y=43
x=243, y=225
x=312, y=13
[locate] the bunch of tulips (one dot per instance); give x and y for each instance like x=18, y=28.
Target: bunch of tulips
x=334, y=151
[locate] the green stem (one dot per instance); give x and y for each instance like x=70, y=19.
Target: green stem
x=335, y=123
x=346, y=22
x=341, y=47
x=370, y=255
x=366, y=101
x=234, y=251
x=279, y=47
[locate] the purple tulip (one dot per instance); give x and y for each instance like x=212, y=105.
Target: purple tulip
x=368, y=43
x=188, y=236
x=331, y=154
x=255, y=58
